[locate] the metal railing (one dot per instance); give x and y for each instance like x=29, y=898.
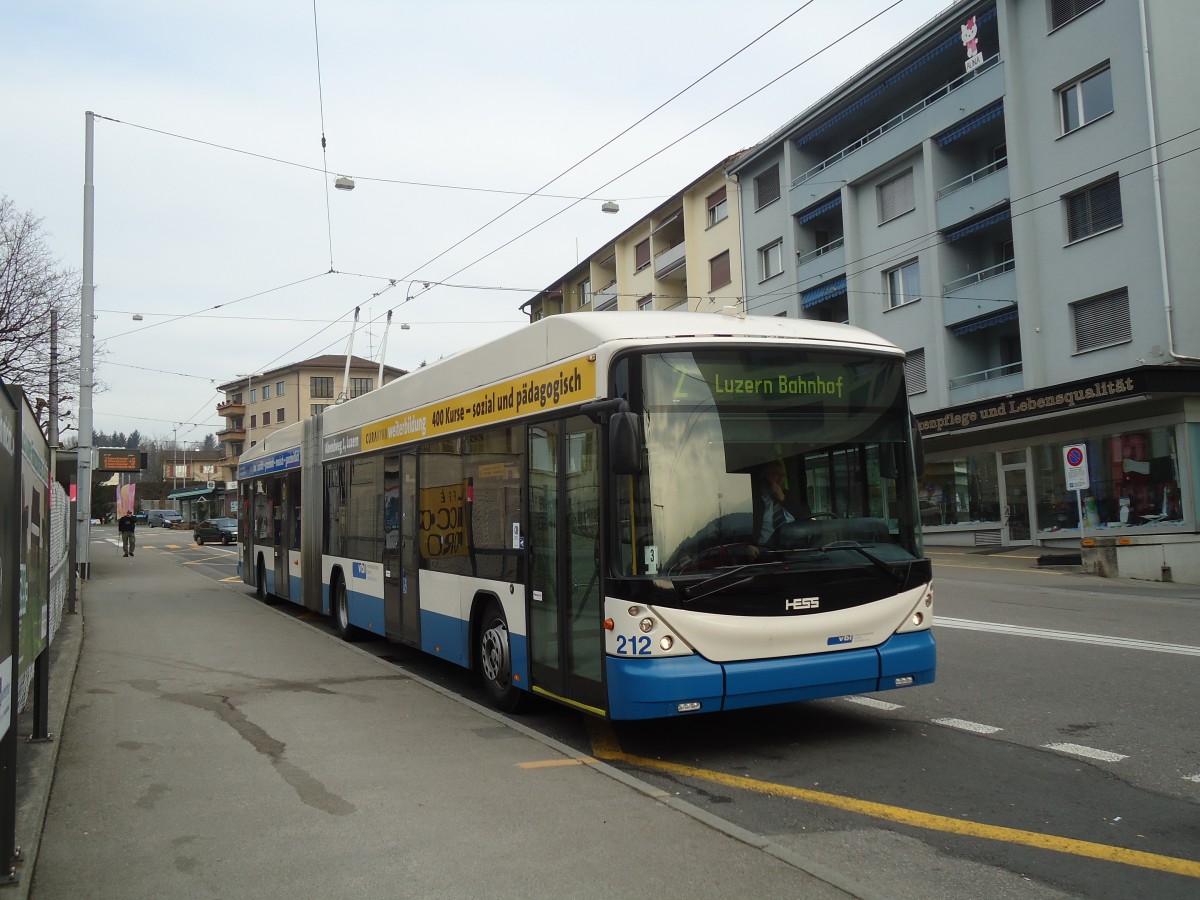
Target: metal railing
x=918, y=107
x=802, y=258
x=982, y=275
x=986, y=375
x=975, y=176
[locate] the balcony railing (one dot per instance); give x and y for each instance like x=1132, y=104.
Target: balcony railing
x=986, y=375
x=968, y=180
x=917, y=108
x=802, y=258
x=976, y=277
x=669, y=260
x=231, y=408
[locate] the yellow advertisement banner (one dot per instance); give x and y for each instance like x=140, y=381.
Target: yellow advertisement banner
x=556, y=386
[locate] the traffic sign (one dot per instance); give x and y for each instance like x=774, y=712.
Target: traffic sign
x=1076, y=466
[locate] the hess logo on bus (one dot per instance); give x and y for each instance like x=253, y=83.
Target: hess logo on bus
x=798, y=603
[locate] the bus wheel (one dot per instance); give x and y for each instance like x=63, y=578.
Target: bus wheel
x=495, y=660
x=341, y=612
x=260, y=581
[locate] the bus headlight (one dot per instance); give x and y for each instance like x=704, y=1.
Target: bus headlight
x=667, y=642
x=918, y=618
x=647, y=625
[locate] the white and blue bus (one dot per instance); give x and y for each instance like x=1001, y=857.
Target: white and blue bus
x=578, y=510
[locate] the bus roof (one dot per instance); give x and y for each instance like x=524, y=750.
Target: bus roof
x=563, y=337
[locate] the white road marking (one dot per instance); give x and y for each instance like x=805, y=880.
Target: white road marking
x=964, y=725
x=1089, y=752
x=1195, y=778
x=1050, y=634
x=873, y=703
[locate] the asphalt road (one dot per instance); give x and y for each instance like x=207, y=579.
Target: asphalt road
x=1056, y=755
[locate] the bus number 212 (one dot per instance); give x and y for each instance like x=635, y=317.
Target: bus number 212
x=638, y=645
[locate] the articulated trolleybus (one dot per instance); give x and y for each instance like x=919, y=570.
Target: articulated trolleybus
x=590, y=509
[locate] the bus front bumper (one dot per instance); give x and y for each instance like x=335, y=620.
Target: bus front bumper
x=682, y=685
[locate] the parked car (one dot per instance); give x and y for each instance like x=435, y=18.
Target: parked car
x=223, y=530
x=163, y=518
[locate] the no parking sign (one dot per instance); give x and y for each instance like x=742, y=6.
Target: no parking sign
x=1075, y=463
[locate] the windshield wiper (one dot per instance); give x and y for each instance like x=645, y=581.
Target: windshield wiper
x=881, y=565
x=729, y=577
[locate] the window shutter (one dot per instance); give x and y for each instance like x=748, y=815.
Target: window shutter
x=766, y=187
x=718, y=268
x=1102, y=321
x=914, y=371
x=1064, y=10
x=715, y=198
x=641, y=254
x=897, y=196
x=1093, y=209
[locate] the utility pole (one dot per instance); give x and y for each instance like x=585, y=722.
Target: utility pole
x=87, y=327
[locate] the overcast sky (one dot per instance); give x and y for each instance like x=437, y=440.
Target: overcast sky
x=216, y=221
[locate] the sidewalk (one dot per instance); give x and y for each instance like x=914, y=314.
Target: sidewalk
x=214, y=747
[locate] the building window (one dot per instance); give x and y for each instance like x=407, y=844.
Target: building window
x=315, y=409
x=646, y=302
x=770, y=260
x=1095, y=208
x=766, y=187
x=253, y=395
x=253, y=423
x=584, y=292
x=896, y=196
x=279, y=389
x=360, y=386
x=1063, y=11
x=903, y=283
x=1086, y=100
x=266, y=392
x=1102, y=321
x=321, y=386
x=718, y=271
x=641, y=255
x=914, y=371
x=266, y=418
x=718, y=207
x=279, y=417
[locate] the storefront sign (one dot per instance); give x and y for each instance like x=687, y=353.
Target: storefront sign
x=1060, y=398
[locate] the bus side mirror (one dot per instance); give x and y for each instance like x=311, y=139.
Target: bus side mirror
x=918, y=443
x=624, y=443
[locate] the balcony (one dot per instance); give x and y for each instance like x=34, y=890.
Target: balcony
x=986, y=292
x=672, y=263
x=983, y=189
x=605, y=298
x=973, y=90
x=822, y=263
x=231, y=408
x=992, y=382
x=231, y=434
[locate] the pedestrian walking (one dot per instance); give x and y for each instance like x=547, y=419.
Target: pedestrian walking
x=125, y=526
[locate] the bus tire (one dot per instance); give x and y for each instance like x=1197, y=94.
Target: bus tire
x=340, y=601
x=495, y=660
x=260, y=581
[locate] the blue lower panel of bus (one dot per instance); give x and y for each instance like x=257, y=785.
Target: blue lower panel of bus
x=445, y=636
x=654, y=688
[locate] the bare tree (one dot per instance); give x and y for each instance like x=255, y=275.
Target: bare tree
x=32, y=286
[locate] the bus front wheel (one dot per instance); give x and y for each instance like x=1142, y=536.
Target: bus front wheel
x=495, y=660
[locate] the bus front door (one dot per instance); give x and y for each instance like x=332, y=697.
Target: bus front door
x=281, y=531
x=566, y=639
x=401, y=610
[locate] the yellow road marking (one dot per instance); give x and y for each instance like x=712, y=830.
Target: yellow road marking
x=551, y=763
x=232, y=578
x=942, y=565
x=605, y=747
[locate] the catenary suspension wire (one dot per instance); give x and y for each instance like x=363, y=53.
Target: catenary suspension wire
x=324, y=155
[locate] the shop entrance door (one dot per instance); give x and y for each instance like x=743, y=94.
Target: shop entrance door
x=1017, y=525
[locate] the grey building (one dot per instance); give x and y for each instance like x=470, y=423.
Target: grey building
x=1012, y=196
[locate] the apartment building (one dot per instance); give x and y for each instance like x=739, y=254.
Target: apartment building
x=1010, y=195
x=256, y=405
x=685, y=255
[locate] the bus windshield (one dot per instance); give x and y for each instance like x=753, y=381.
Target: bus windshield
x=761, y=455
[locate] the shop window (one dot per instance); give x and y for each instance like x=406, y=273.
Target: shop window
x=1134, y=483
x=960, y=491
